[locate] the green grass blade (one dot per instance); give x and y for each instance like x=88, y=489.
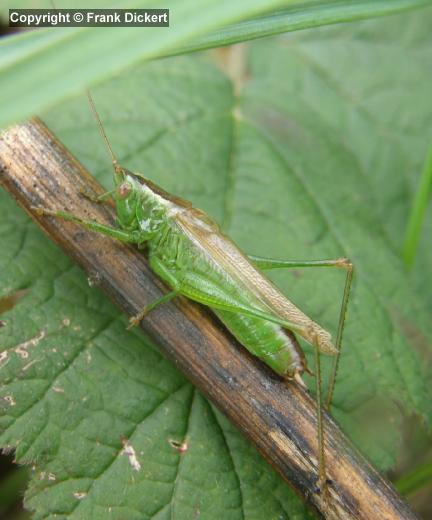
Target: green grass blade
x=304, y=16
x=64, y=61
x=416, y=219
x=415, y=480
x=40, y=68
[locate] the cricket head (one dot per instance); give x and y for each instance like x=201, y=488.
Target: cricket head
x=138, y=208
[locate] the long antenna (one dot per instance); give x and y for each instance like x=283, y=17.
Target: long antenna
x=116, y=166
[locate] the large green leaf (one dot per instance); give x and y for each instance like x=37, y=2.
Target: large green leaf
x=285, y=156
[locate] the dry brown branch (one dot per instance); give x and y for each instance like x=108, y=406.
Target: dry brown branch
x=278, y=417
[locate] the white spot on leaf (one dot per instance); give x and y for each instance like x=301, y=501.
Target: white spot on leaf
x=130, y=453
x=26, y=367
x=21, y=349
x=181, y=447
x=4, y=358
x=10, y=400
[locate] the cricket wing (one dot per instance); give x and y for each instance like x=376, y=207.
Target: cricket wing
x=219, y=250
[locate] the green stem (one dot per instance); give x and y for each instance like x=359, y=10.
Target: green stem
x=416, y=218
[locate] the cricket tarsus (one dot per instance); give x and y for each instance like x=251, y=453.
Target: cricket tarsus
x=192, y=256
x=135, y=320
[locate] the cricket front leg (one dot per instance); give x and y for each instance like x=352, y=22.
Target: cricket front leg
x=344, y=263
x=93, y=225
x=98, y=199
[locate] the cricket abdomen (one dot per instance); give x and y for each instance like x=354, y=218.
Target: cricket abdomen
x=269, y=342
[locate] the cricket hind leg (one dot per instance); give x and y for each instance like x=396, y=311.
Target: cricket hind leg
x=216, y=300
x=344, y=263
x=212, y=297
x=322, y=480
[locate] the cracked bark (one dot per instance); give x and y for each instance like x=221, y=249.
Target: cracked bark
x=278, y=417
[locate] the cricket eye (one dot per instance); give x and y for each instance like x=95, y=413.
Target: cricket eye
x=124, y=189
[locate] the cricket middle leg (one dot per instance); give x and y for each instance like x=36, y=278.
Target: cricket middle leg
x=135, y=320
